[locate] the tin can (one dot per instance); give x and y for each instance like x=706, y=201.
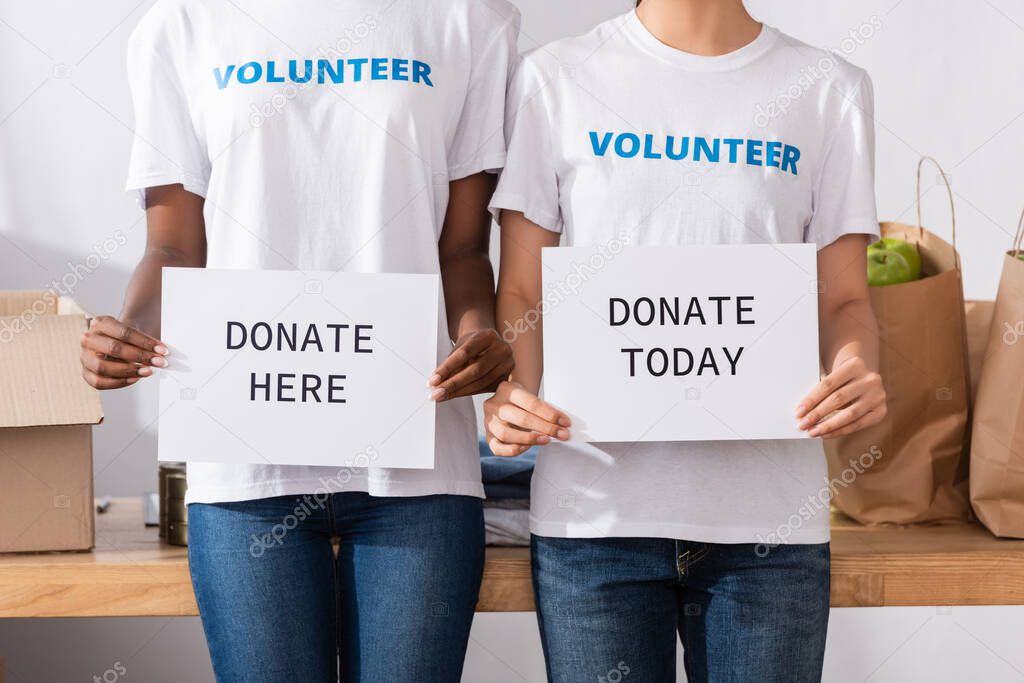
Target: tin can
x=177, y=533
x=165, y=469
x=175, y=513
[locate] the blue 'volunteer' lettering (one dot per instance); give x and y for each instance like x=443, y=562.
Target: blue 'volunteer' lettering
x=771, y=153
x=322, y=71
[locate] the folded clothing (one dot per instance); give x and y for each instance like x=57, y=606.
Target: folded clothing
x=505, y=477
x=507, y=521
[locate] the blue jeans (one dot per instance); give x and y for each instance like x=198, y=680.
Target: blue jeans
x=396, y=604
x=610, y=608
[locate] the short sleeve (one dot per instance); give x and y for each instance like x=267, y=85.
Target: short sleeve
x=166, y=148
x=529, y=181
x=844, y=194
x=479, y=143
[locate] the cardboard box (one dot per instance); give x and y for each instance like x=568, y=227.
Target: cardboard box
x=46, y=415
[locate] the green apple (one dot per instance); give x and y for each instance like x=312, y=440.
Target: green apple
x=905, y=249
x=887, y=267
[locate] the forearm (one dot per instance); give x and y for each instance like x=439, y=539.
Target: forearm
x=468, y=282
x=466, y=273
x=848, y=326
x=520, y=295
x=849, y=330
x=141, y=308
x=521, y=326
x=175, y=236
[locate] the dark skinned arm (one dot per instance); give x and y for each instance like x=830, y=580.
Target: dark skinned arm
x=117, y=352
x=480, y=359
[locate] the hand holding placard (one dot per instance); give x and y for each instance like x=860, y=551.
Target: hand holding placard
x=115, y=354
x=516, y=419
x=480, y=360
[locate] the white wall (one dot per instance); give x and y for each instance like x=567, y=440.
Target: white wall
x=949, y=82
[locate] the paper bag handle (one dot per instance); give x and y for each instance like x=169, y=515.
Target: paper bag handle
x=952, y=208
x=1018, y=239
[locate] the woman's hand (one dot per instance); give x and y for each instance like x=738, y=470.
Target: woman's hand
x=854, y=396
x=115, y=355
x=479, y=362
x=516, y=419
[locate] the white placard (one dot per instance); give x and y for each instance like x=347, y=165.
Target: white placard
x=680, y=343
x=293, y=368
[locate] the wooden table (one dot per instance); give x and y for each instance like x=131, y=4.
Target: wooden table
x=132, y=574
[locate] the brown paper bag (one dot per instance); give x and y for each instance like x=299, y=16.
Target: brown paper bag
x=915, y=469
x=997, y=443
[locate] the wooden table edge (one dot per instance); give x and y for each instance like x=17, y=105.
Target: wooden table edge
x=131, y=574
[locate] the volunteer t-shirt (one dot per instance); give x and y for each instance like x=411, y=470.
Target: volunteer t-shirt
x=323, y=137
x=615, y=137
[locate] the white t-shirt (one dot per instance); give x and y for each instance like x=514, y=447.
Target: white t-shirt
x=615, y=132
x=323, y=137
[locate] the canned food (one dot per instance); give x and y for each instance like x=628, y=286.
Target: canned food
x=177, y=533
x=176, y=485
x=171, y=494
x=176, y=511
